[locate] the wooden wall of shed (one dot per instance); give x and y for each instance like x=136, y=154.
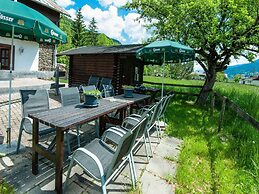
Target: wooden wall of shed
x=119, y=67
x=83, y=66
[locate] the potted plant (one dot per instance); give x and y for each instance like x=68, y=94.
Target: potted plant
x=128, y=91
x=92, y=98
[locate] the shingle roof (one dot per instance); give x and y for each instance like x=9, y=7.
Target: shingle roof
x=52, y=5
x=103, y=49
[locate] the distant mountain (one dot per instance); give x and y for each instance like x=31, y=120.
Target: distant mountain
x=245, y=69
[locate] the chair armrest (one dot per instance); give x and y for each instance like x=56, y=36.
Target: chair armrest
x=114, y=135
x=135, y=115
x=22, y=126
x=129, y=122
x=113, y=130
x=94, y=159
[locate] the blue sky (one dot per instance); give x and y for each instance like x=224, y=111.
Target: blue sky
x=115, y=22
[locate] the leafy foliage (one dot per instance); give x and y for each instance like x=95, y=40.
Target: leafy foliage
x=216, y=29
x=95, y=93
x=221, y=77
x=174, y=71
x=237, y=78
x=5, y=188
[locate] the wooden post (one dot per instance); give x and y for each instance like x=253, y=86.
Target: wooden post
x=222, y=112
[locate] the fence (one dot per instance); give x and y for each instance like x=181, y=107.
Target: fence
x=229, y=103
x=225, y=102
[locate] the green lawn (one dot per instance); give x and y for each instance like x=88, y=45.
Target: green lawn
x=212, y=162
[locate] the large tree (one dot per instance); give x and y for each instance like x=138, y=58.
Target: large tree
x=78, y=30
x=216, y=29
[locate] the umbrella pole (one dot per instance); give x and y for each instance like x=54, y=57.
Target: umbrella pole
x=10, y=93
x=56, y=70
x=163, y=76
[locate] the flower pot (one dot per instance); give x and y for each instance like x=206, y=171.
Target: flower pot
x=91, y=101
x=128, y=92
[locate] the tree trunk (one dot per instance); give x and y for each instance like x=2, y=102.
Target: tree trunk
x=208, y=85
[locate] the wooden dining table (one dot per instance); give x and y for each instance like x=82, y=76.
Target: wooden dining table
x=65, y=118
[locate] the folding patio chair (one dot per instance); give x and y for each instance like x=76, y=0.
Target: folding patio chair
x=87, y=88
x=102, y=162
x=127, y=124
x=33, y=101
x=93, y=80
x=107, y=91
x=70, y=96
x=164, y=107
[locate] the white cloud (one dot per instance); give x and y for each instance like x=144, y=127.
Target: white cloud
x=72, y=13
x=113, y=25
x=241, y=60
x=135, y=29
x=108, y=21
x=116, y=3
x=65, y=3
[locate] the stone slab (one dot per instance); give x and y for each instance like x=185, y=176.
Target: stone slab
x=151, y=184
x=161, y=167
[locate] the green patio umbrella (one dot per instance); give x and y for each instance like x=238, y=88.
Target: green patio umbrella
x=22, y=22
x=159, y=52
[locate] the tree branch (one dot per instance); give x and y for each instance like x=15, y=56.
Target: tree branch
x=203, y=66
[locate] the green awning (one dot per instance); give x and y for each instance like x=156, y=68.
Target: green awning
x=29, y=24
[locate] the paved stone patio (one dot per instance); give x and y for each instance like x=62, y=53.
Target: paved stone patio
x=16, y=169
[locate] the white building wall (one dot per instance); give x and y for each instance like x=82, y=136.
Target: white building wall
x=255, y=82
x=28, y=60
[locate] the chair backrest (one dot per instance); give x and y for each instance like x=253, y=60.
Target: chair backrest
x=125, y=145
x=87, y=88
x=157, y=111
x=33, y=101
x=69, y=96
x=93, y=80
x=105, y=81
x=165, y=104
x=107, y=91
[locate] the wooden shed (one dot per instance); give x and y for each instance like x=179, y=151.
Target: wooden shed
x=117, y=62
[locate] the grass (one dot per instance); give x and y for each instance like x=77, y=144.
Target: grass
x=63, y=80
x=212, y=162
x=246, y=96
x=5, y=188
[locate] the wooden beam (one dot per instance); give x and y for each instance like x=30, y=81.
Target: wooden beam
x=177, y=85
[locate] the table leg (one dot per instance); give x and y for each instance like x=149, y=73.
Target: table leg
x=35, y=142
x=59, y=160
x=123, y=113
x=102, y=125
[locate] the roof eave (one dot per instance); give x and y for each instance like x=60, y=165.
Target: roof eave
x=59, y=11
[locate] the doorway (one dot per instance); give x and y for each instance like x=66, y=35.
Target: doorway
x=5, y=57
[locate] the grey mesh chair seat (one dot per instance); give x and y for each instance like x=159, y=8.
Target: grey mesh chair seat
x=43, y=129
x=87, y=88
x=93, y=80
x=70, y=96
x=107, y=90
x=103, y=152
x=33, y=101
